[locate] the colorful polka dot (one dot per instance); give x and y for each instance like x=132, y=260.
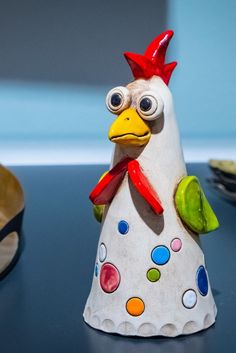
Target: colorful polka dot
x=153, y=274
x=135, y=306
x=189, y=298
x=202, y=281
x=176, y=244
x=96, y=269
x=160, y=255
x=109, y=278
x=102, y=252
x=123, y=227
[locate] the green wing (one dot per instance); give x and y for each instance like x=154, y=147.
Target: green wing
x=98, y=210
x=193, y=207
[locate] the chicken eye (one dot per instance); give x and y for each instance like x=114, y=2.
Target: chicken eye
x=145, y=104
x=150, y=105
x=118, y=99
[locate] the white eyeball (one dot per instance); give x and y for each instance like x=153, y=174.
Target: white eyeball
x=118, y=99
x=150, y=105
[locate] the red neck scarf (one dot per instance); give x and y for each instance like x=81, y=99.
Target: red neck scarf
x=107, y=187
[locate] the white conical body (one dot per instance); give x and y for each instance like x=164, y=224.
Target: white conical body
x=165, y=314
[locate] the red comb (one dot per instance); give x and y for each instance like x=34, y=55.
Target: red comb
x=153, y=61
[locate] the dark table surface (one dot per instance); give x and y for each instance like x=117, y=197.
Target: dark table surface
x=42, y=299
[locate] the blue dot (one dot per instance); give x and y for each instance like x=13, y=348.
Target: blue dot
x=202, y=281
x=123, y=227
x=160, y=255
x=96, y=269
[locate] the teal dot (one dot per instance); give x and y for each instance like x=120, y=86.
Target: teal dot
x=160, y=255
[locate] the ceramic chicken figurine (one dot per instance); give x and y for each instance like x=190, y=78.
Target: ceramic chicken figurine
x=150, y=276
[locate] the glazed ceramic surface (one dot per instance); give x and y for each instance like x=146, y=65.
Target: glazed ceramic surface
x=150, y=276
x=11, y=214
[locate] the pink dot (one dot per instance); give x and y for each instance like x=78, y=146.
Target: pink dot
x=176, y=244
x=109, y=278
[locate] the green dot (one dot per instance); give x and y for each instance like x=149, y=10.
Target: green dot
x=153, y=274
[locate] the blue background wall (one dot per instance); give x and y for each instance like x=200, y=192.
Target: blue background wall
x=58, y=61
x=204, y=82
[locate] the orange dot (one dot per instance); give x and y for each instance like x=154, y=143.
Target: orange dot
x=135, y=306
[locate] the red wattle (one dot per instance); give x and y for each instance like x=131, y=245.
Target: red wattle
x=143, y=186
x=107, y=187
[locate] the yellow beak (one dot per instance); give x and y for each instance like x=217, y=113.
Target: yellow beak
x=129, y=129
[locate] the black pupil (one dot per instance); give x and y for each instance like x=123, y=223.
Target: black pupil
x=145, y=104
x=116, y=99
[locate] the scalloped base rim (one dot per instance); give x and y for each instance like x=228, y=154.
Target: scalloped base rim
x=148, y=329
